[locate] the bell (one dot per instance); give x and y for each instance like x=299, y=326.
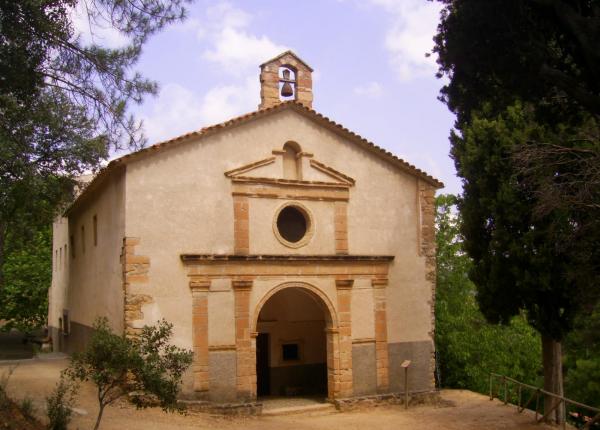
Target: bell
x=286, y=90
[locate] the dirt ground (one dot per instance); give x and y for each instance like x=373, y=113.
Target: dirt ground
x=460, y=409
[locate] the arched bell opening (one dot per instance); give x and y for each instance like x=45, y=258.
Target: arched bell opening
x=287, y=83
x=295, y=343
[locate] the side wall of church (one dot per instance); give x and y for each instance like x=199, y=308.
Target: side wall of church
x=87, y=282
x=180, y=202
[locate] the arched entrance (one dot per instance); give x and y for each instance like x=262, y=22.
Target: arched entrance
x=296, y=337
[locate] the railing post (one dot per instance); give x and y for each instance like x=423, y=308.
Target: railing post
x=405, y=365
x=537, y=403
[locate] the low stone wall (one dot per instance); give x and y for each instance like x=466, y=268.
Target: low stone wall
x=229, y=409
x=414, y=398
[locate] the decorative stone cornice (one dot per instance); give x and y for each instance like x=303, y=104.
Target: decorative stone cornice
x=344, y=284
x=199, y=285
x=379, y=282
x=241, y=284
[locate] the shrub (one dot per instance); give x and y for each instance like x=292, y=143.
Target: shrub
x=60, y=404
x=145, y=365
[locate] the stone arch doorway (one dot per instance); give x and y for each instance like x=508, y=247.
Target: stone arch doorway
x=296, y=342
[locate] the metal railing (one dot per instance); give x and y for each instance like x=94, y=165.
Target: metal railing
x=536, y=393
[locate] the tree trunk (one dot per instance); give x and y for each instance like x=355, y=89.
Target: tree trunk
x=553, y=379
x=2, y=239
x=97, y=426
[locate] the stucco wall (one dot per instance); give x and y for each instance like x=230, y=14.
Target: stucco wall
x=91, y=283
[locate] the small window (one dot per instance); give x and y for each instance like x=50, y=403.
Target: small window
x=95, y=222
x=290, y=352
x=83, y=239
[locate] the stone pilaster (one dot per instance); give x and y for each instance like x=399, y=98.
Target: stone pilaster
x=245, y=342
x=333, y=363
x=341, y=227
x=241, y=225
x=381, y=344
x=200, y=288
x=344, y=297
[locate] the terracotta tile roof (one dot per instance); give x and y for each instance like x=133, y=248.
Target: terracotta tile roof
x=206, y=131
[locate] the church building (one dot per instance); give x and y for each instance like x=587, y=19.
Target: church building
x=291, y=255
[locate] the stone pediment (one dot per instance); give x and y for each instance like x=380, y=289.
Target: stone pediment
x=270, y=170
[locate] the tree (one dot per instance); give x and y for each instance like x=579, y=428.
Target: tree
x=469, y=347
x=523, y=80
x=144, y=365
x=28, y=273
x=64, y=101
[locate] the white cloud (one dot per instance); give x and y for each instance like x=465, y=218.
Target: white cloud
x=178, y=110
x=226, y=101
x=234, y=48
x=414, y=24
x=372, y=90
x=99, y=30
x=175, y=111
x=236, y=52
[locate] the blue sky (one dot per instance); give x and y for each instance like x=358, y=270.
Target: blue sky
x=371, y=73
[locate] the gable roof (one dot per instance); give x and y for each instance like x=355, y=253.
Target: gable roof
x=283, y=54
x=311, y=114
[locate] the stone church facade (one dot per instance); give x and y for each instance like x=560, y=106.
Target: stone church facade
x=291, y=255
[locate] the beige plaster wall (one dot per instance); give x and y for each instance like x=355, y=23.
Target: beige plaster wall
x=57, y=294
x=363, y=316
x=95, y=274
x=179, y=201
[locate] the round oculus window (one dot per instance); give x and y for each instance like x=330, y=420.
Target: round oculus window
x=293, y=225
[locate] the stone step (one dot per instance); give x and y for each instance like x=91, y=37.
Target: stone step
x=321, y=408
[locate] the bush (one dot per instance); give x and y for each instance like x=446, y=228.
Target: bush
x=60, y=404
x=145, y=365
x=27, y=408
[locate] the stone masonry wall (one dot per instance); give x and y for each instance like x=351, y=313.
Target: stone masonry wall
x=428, y=250
x=135, y=271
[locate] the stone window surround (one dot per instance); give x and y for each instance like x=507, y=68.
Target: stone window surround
x=310, y=225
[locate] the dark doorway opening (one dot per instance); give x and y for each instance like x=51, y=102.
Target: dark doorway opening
x=291, y=347
x=263, y=380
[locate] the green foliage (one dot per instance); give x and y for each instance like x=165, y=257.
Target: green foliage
x=582, y=359
x=4, y=378
x=469, y=347
x=27, y=408
x=60, y=403
x=146, y=365
x=64, y=103
x=27, y=276
x=517, y=262
x=539, y=51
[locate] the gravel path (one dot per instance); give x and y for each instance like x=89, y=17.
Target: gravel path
x=460, y=409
